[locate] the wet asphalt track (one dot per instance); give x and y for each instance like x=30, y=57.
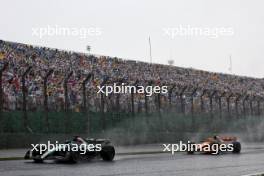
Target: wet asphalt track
x=249, y=161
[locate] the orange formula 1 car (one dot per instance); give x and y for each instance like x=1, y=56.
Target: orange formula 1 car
x=216, y=145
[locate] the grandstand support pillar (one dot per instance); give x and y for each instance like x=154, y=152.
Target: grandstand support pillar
x=228, y=103
x=211, y=101
x=201, y=99
x=84, y=109
x=24, y=94
x=182, y=100
x=46, y=108
x=66, y=100
x=236, y=104
x=244, y=104
x=192, y=103
x=1, y=88
x=220, y=103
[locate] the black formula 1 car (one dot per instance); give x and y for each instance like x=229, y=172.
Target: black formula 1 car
x=77, y=149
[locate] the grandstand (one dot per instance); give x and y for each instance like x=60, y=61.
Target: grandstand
x=57, y=80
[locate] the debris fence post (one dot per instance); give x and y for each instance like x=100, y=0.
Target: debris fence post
x=244, y=104
x=1, y=87
x=201, y=100
x=102, y=104
x=182, y=99
x=1, y=92
x=236, y=104
x=84, y=98
x=24, y=102
x=170, y=96
x=66, y=101
x=220, y=96
x=46, y=108
x=211, y=101
x=228, y=103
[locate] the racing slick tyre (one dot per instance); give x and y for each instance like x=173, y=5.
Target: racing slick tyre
x=237, y=147
x=107, y=153
x=37, y=156
x=38, y=160
x=73, y=157
x=191, y=150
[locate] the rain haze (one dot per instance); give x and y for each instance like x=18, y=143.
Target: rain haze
x=123, y=29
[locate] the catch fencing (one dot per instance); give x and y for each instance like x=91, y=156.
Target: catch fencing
x=180, y=99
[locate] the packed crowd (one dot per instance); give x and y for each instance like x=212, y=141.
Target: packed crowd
x=21, y=56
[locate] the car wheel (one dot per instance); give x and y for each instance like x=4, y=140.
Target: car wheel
x=107, y=153
x=37, y=156
x=73, y=157
x=38, y=160
x=191, y=150
x=237, y=147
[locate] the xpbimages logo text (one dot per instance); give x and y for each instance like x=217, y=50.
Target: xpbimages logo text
x=123, y=89
x=74, y=147
x=190, y=147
